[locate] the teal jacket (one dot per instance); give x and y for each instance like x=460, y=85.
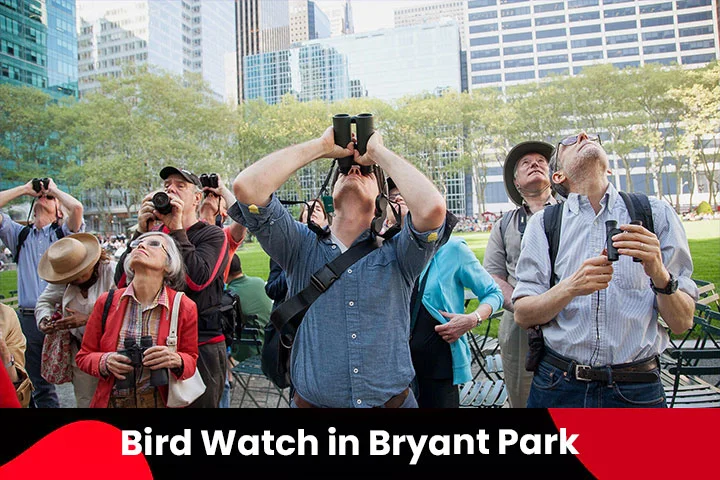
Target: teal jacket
x=454, y=268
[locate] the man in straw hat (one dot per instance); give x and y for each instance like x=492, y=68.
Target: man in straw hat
x=528, y=185
x=27, y=244
x=78, y=271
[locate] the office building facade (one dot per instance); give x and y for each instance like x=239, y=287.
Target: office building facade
x=513, y=42
x=176, y=37
x=38, y=45
x=307, y=21
x=260, y=26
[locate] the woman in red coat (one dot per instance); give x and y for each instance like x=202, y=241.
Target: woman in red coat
x=139, y=316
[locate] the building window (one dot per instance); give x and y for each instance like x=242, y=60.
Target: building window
x=491, y=27
x=611, y=27
x=558, y=32
x=584, y=29
x=495, y=52
x=587, y=42
x=515, y=76
x=544, y=47
x=661, y=35
x=483, y=15
x=657, y=7
x=484, y=41
x=517, y=37
x=619, y=12
x=481, y=3
x=512, y=12
x=579, y=57
x=654, y=22
x=552, y=59
x=516, y=24
x=694, y=17
x=692, y=3
x=621, y=39
x=691, y=32
x=550, y=7
x=582, y=3
x=476, y=79
x=623, y=52
x=518, y=50
x=520, y=62
x=554, y=71
x=580, y=17
x=654, y=49
x=478, y=67
x=697, y=45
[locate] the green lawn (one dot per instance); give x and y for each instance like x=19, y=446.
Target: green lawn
x=704, y=240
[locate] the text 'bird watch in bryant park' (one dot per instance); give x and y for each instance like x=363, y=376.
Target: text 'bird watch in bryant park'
x=669, y=289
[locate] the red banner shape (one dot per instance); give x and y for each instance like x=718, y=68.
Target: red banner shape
x=644, y=443
x=86, y=450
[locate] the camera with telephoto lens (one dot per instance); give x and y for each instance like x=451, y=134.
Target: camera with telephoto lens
x=39, y=183
x=611, y=229
x=343, y=135
x=161, y=203
x=135, y=353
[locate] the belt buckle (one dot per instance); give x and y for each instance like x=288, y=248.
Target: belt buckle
x=582, y=368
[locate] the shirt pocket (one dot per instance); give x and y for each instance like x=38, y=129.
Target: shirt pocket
x=629, y=275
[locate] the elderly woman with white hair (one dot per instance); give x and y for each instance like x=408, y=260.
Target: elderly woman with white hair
x=128, y=350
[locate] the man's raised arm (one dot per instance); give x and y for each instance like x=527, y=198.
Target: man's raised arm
x=256, y=183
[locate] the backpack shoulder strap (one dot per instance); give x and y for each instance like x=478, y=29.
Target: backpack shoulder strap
x=59, y=233
x=288, y=316
x=552, y=217
x=21, y=240
x=106, y=309
x=638, y=206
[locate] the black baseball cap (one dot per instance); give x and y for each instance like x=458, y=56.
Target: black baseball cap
x=519, y=151
x=187, y=175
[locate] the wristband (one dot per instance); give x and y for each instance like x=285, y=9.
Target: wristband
x=479, y=318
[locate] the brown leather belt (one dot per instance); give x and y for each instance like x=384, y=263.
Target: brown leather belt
x=395, y=402
x=642, y=371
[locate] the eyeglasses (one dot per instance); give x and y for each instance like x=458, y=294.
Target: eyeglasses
x=364, y=169
x=394, y=196
x=149, y=242
x=50, y=197
x=573, y=139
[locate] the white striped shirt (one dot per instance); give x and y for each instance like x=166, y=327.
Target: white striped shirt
x=618, y=324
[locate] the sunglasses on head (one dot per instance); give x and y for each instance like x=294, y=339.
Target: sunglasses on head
x=573, y=139
x=364, y=169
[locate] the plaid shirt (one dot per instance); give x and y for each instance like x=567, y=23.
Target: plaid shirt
x=139, y=320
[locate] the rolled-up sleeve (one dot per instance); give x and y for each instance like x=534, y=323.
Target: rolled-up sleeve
x=278, y=233
x=9, y=231
x=494, y=261
x=415, y=249
x=533, y=268
x=674, y=247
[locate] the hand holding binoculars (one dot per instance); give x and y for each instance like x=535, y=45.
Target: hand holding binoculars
x=342, y=127
x=611, y=229
x=39, y=184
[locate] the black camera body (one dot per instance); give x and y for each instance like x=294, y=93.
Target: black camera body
x=135, y=353
x=209, y=180
x=611, y=229
x=342, y=127
x=39, y=183
x=161, y=202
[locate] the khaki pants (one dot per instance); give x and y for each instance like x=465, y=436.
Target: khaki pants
x=83, y=384
x=513, y=350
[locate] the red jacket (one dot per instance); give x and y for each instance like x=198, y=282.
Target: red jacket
x=95, y=343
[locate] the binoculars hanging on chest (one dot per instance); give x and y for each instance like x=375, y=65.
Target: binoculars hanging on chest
x=342, y=126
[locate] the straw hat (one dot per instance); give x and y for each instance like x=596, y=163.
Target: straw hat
x=66, y=259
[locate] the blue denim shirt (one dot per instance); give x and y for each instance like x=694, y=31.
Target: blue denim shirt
x=30, y=285
x=352, y=348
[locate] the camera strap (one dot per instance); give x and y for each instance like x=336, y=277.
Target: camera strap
x=288, y=316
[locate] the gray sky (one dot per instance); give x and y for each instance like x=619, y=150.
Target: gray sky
x=375, y=14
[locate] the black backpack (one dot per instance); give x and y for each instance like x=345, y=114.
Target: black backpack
x=26, y=231
x=231, y=316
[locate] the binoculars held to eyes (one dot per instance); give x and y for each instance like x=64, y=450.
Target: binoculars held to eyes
x=342, y=123
x=40, y=183
x=611, y=230
x=209, y=180
x=135, y=353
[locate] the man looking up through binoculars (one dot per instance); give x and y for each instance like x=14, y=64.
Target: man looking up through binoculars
x=203, y=247
x=45, y=229
x=351, y=349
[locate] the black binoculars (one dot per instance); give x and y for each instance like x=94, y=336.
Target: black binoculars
x=39, y=183
x=161, y=202
x=135, y=353
x=343, y=135
x=611, y=229
x=209, y=180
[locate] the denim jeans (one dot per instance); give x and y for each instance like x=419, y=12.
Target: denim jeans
x=44, y=395
x=555, y=388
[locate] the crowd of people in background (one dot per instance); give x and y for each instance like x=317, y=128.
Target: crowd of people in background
x=136, y=321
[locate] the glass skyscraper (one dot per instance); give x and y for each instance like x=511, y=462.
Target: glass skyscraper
x=38, y=45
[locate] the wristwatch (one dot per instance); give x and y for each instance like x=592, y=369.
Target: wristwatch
x=11, y=363
x=669, y=289
x=478, y=317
